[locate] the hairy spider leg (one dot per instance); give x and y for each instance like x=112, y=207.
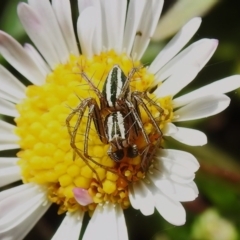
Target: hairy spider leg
x=138, y=97
x=141, y=128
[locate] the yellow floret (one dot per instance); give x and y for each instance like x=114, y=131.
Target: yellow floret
x=109, y=186
x=65, y=180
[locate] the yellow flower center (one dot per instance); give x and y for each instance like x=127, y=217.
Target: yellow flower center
x=46, y=155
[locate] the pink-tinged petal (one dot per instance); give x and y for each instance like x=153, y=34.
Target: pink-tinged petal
x=221, y=86
x=70, y=227
x=14, y=53
x=175, y=45
x=82, y=196
x=44, y=11
x=8, y=81
x=37, y=58
x=35, y=29
x=202, y=107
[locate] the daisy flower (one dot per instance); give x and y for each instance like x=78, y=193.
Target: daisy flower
x=111, y=35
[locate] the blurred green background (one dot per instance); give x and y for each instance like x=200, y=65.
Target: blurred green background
x=215, y=214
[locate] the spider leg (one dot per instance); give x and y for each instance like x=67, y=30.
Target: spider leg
x=125, y=87
x=80, y=109
x=95, y=89
x=143, y=95
x=138, y=96
x=141, y=128
x=94, y=114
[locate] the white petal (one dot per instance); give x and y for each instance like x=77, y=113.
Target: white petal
x=21, y=210
x=97, y=227
x=121, y=224
x=35, y=28
x=202, y=107
x=177, y=191
x=181, y=157
x=8, y=140
x=37, y=58
x=14, y=191
x=222, y=86
x=44, y=11
x=86, y=26
x=62, y=9
x=100, y=40
x=98, y=36
x=169, y=129
x=171, y=210
x=146, y=27
x=9, y=175
x=8, y=162
x=8, y=108
x=134, y=14
x=177, y=172
x=14, y=53
x=70, y=227
x=141, y=194
x=190, y=137
x=176, y=168
x=6, y=127
x=175, y=45
x=114, y=13
x=133, y=199
x=82, y=4
x=197, y=54
x=10, y=85
x=177, y=81
x=9, y=171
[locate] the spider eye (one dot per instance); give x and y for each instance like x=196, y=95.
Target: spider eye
x=132, y=151
x=117, y=156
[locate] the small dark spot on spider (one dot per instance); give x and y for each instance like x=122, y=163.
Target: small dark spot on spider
x=139, y=33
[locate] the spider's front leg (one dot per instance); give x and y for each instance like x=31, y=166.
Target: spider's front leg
x=80, y=110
